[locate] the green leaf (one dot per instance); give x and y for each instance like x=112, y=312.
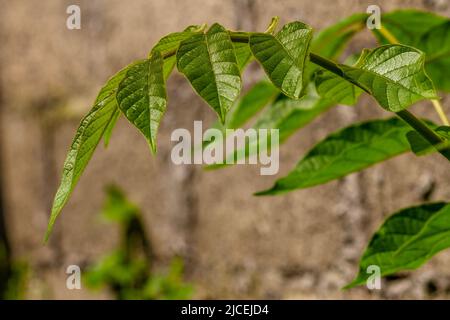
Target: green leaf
x=209, y=63
x=243, y=54
x=87, y=137
x=110, y=127
x=348, y=150
x=436, y=43
x=419, y=146
x=168, y=45
x=406, y=240
x=331, y=41
x=393, y=75
x=425, y=31
x=334, y=88
x=142, y=96
x=408, y=25
x=284, y=56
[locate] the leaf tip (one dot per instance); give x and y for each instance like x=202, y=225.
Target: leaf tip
x=152, y=146
x=49, y=231
x=267, y=192
x=355, y=282
x=105, y=143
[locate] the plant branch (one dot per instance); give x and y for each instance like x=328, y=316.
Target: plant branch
x=432, y=137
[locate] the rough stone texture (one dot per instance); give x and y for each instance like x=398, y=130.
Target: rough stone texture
x=301, y=245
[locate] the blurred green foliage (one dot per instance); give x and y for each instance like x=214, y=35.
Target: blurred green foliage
x=128, y=270
x=13, y=276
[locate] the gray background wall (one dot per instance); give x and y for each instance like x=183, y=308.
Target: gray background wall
x=302, y=245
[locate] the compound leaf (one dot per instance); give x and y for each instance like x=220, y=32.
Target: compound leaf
x=142, y=96
x=406, y=240
x=209, y=63
x=87, y=137
x=345, y=151
x=284, y=56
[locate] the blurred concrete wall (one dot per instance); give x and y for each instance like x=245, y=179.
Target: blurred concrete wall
x=302, y=245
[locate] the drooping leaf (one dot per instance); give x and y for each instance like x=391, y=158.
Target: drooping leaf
x=110, y=126
x=243, y=54
x=284, y=56
x=393, y=75
x=170, y=43
x=142, y=96
x=406, y=240
x=209, y=63
x=87, y=137
x=348, y=150
x=334, y=88
x=425, y=31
